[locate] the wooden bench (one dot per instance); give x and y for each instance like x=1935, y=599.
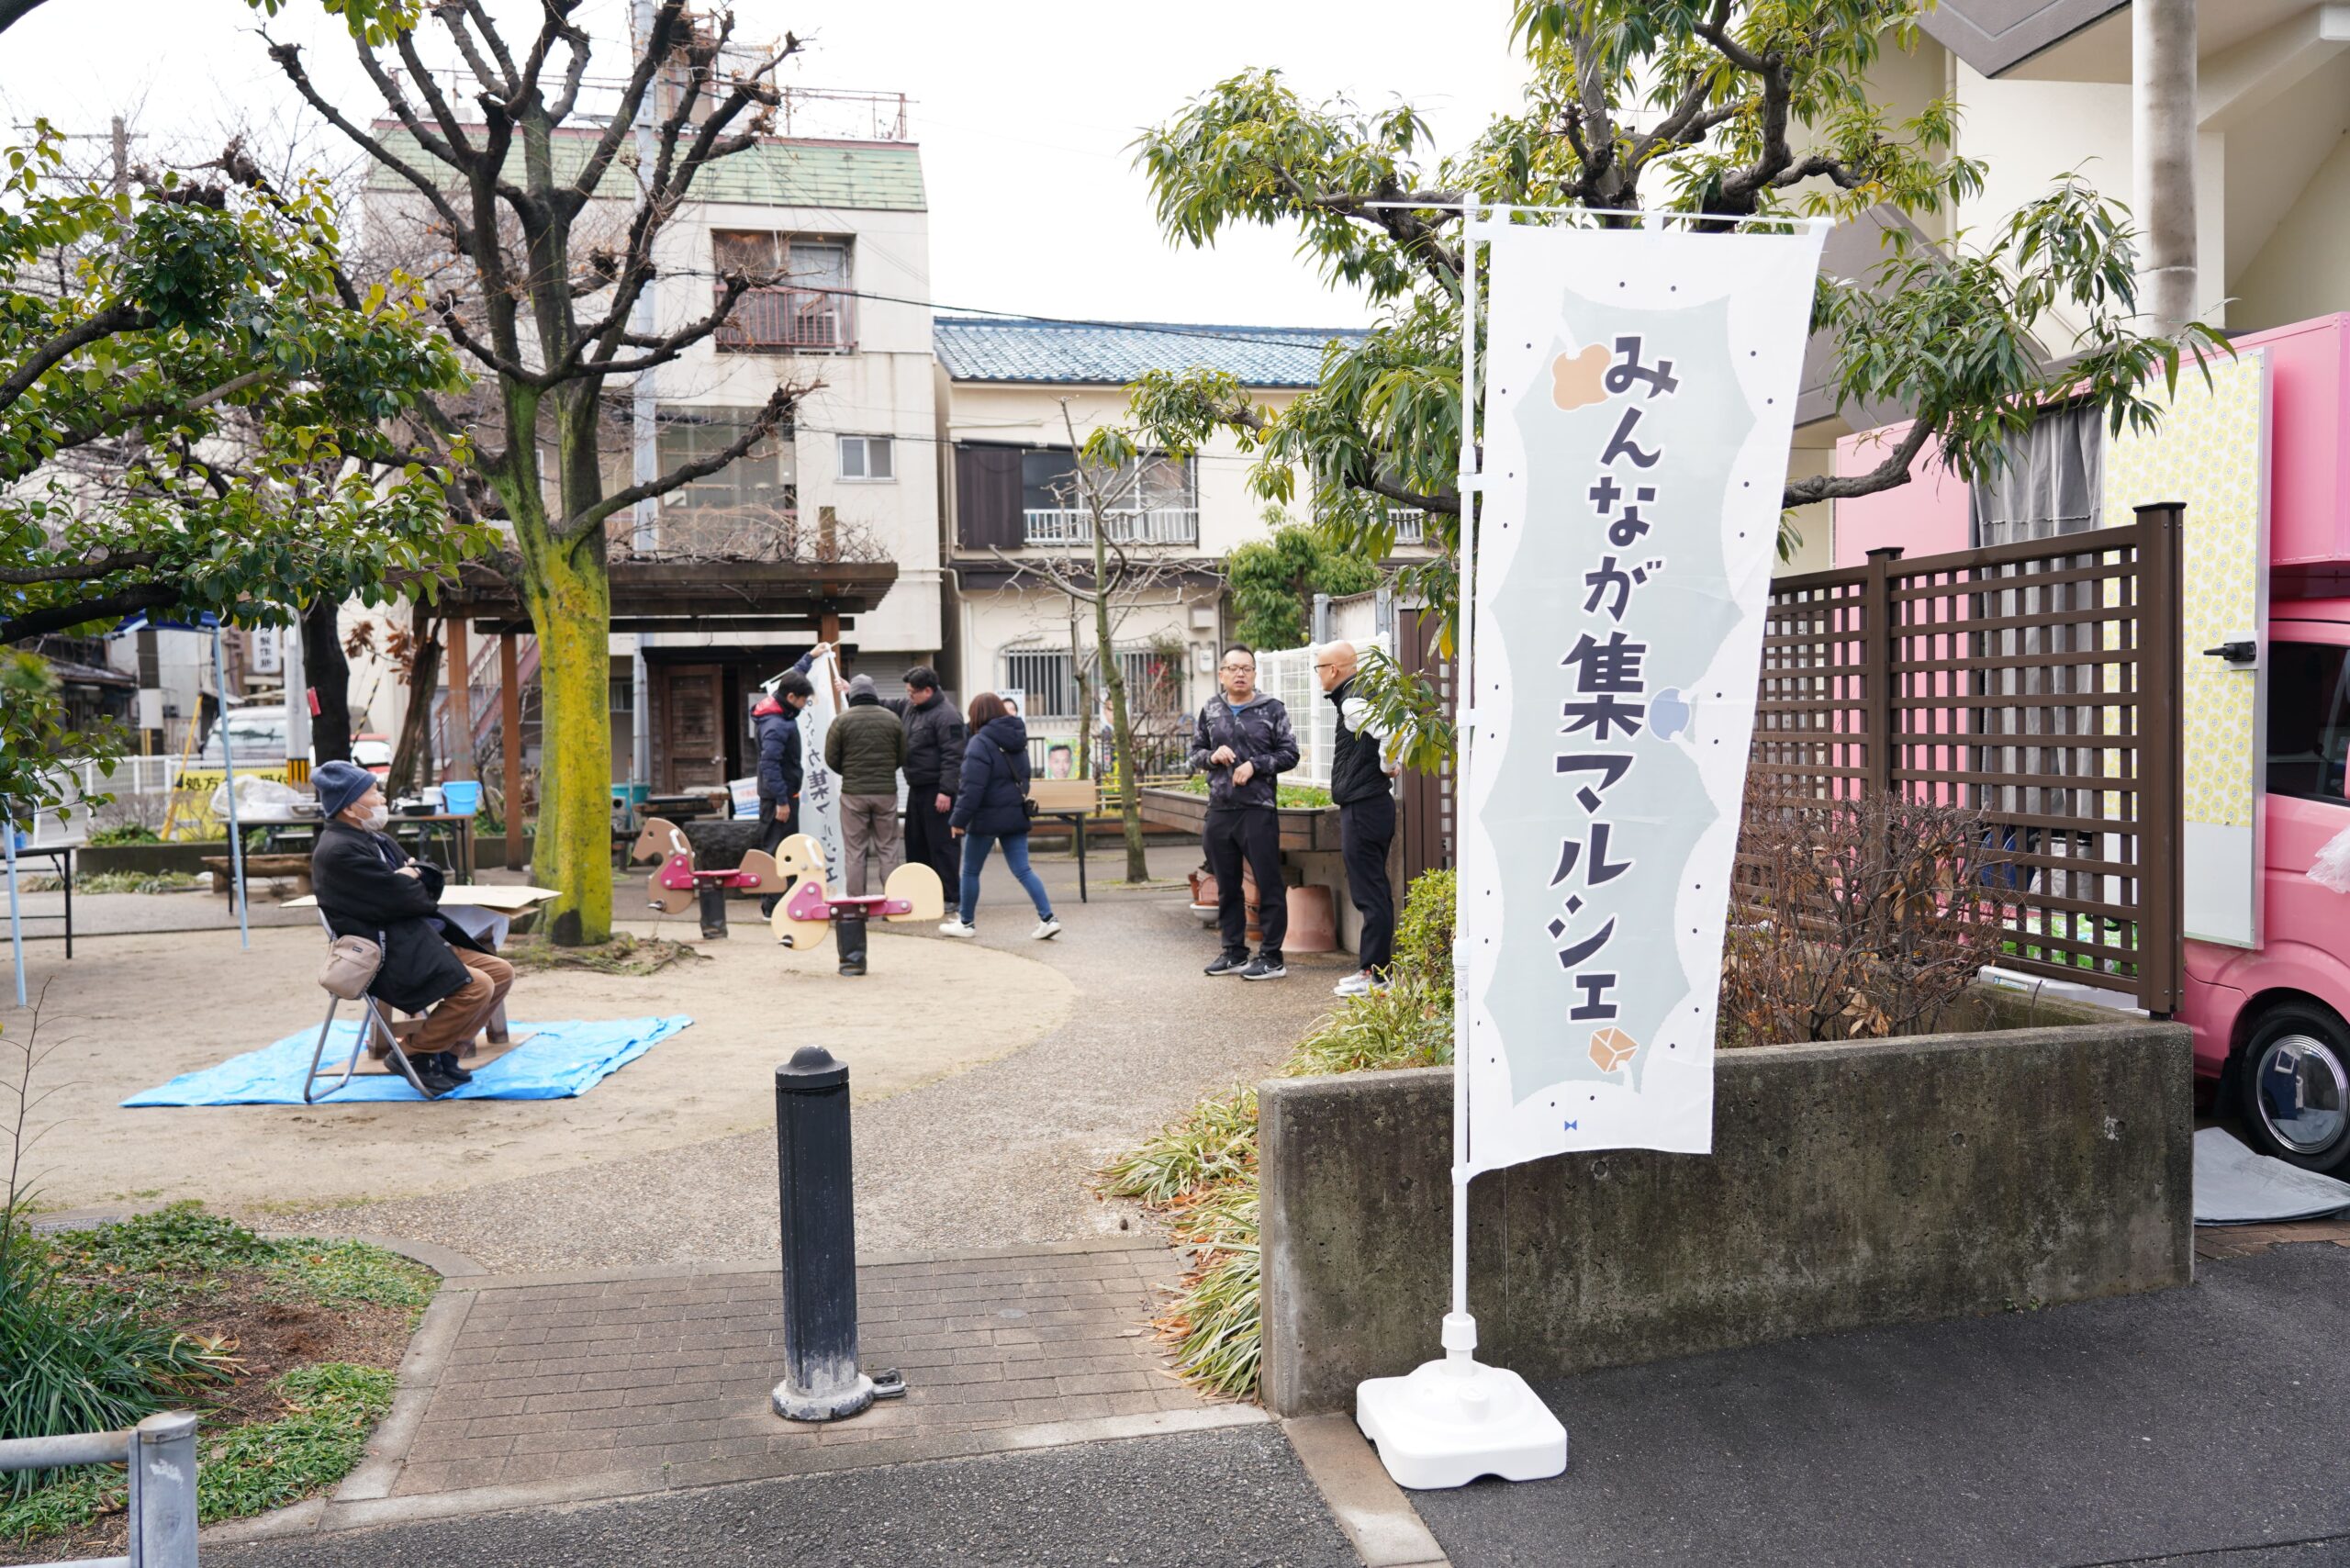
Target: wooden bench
x=271, y=868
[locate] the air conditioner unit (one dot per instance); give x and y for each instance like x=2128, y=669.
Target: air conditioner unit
x=1203, y=618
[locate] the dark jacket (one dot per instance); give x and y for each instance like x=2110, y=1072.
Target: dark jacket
x=995, y=766
x=1259, y=733
x=777, y=728
x=356, y=877
x=1356, y=771
x=866, y=746
x=934, y=742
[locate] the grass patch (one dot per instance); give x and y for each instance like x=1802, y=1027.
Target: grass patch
x=284, y=1349
x=116, y=882
x=623, y=954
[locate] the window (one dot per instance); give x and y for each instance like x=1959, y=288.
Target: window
x=800, y=301
x=1049, y=676
x=871, y=458
x=765, y=478
x=2308, y=721
x=1157, y=505
x=2049, y=486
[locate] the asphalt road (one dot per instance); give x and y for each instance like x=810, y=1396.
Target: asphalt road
x=1233, y=1497
x=2207, y=1426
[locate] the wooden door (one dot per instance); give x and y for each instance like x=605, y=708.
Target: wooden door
x=692, y=725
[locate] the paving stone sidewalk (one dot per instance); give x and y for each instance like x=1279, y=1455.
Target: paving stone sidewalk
x=616, y=1382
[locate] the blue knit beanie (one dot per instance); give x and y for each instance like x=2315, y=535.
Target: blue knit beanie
x=338, y=784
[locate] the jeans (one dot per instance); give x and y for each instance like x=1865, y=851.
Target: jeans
x=1252, y=833
x=1366, y=828
x=1015, y=855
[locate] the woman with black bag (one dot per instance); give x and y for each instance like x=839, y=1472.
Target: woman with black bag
x=992, y=806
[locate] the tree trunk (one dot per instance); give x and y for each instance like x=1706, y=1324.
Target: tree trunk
x=1121, y=725
x=330, y=676
x=2163, y=101
x=570, y=598
x=409, y=760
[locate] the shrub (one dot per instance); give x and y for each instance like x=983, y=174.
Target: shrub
x=125, y=833
x=1854, y=919
x=1424, y=933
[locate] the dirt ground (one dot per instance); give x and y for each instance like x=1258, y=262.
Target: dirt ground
x=132, y=1011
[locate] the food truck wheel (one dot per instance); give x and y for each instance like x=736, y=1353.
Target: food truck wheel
x=2293, y=1086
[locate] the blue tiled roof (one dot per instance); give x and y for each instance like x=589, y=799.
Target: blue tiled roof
x=1111, y=354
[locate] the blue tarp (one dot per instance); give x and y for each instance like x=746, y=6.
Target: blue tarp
x=557, y=1061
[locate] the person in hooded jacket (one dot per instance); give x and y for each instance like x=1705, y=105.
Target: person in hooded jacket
x=775, y=719
x=992, y=808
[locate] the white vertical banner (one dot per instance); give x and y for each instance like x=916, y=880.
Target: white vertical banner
x=1640, y=396
x=819, y=795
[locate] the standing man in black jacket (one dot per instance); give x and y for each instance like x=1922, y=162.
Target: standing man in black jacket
x=368, y=887
x=934, y=742
x=1243, y=742
x=1363, y=787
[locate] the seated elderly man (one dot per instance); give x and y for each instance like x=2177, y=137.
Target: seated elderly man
x=367, y=886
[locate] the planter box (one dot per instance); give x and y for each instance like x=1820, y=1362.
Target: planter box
x=1851, y=1185
x=1302, y=828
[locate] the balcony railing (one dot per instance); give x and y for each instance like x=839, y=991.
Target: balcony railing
x=1074, y=525
x=1411, y=525
x=788, y=321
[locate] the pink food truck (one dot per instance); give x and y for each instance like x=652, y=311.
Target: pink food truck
x=2261, y=457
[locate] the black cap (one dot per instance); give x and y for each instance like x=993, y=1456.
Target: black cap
x=812, y=1068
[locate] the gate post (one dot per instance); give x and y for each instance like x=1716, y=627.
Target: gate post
x=2162, y=767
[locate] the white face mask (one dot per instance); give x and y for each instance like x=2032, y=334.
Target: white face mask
x=375, y=818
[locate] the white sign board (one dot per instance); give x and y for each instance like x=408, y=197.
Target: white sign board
x=1639, y=395
x=819, y=794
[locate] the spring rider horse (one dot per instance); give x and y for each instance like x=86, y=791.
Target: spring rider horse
x=808, y=915
x=667, y=888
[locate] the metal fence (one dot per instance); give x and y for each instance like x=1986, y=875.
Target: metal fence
x=160, y=1453
x=2035, y=684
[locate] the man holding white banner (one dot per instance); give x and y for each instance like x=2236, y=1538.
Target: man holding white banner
x=1640, y=399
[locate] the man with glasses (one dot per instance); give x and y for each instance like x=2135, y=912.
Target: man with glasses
x=1363, y=787
x=1243, y=740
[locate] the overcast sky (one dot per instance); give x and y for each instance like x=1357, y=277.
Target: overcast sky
x=1023, y=111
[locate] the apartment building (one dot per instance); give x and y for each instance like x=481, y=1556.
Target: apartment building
x=1015, y=399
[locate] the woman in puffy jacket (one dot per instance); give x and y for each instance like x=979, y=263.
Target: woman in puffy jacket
x=991, y=808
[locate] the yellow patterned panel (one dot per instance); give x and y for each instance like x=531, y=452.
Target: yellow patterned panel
x=2207, y=453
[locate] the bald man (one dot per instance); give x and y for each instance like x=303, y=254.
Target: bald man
x=1362, y=783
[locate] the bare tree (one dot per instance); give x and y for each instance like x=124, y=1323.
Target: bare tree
x=550, y=314
x=1105, y=576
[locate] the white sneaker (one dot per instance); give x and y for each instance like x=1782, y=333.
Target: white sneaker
x=1047, y=929
x=1355, y=984
x=957, y=928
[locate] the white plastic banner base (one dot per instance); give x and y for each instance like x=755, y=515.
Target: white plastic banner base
x=1446, y=1423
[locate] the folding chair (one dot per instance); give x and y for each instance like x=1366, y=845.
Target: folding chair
x=374, y=1024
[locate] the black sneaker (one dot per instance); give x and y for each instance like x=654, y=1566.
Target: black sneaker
x=1225, y=964
x=436, y=1083
x=451, y=1068
x=1265, y=965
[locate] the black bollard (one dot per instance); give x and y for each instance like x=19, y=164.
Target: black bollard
x=712, y=896
x=820, y=1379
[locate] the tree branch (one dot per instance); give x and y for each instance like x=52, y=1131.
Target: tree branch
x=79, y=571
x=1891, y=474
x=288, y=58
x=107, y=606
x=105, y=324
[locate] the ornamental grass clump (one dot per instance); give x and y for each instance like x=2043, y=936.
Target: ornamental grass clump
x=1199, y=1172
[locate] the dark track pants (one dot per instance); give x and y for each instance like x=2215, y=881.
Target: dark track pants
x=1366, y=830
x=929, y=841
x=1253, y=835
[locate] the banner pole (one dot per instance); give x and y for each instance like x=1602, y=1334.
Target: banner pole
x=229, y=774
x=1466, y=701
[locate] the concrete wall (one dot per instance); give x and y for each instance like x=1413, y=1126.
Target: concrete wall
x=1851, y=1185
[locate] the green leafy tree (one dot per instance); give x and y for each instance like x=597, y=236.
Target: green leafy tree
x=1728, y=108
x=548, y=241
x=195, y=410
x=1273, y=581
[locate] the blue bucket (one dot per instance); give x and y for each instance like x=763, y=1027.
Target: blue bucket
x=461, y=797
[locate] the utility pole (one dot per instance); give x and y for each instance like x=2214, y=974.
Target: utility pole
x=2164, y=115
